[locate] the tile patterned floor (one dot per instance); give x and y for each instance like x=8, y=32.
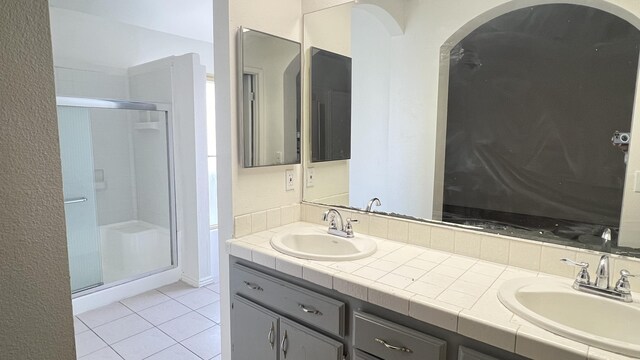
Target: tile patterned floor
x=175, y=322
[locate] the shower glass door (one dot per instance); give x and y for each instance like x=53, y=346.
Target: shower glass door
x=117, y=172
x=74, y=128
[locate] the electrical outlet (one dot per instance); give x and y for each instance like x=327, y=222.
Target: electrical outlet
x=289, y=180
x=310, y=175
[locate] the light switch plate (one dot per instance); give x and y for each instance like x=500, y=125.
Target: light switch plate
x=636, y=185
x=310, y=174
x=289, y=180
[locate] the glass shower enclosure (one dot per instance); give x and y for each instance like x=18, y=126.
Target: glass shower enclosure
x=119, y=192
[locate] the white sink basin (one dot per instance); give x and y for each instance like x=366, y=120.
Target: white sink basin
x=316, y=244
x=594, y=320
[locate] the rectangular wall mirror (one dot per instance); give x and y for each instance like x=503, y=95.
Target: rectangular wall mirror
x=512, y=121
x=269, y=86
x=330, y=106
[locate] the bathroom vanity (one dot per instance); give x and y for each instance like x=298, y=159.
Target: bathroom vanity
x=289, y=318
x=396, y=304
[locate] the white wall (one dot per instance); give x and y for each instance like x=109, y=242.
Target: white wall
x=243, y=191
x=259, y=189
x=86, y=41
x=35, y=300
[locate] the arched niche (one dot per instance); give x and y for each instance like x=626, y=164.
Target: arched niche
x=389, y=12
x=469, y=28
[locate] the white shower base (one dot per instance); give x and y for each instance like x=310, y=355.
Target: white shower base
x=132, y=248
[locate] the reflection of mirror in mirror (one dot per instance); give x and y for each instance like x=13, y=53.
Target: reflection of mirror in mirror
x=516, y=135
x=269, y=84
x=330, y=106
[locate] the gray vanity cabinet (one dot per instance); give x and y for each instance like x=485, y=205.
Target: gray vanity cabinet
x=300, y=343
x=258, y=333
x=254, y=333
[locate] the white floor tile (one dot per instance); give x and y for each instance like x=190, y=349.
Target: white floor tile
x=79, y=326
x=219, y=357
x=146, y=300
x=122, y=328
x=104, y=315
x=214, y=287
x=211, y=311
x=88, y=342
x=199, y=298
x=176, y=352
x=104, y=354
x=164, y=312
x=205, y=344
x=143, y=345
x=186, y=326
x=177, y=289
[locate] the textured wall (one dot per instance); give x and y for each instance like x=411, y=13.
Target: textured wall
x=35, y=299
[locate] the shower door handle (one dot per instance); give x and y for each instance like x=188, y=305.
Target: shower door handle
x=75, y=200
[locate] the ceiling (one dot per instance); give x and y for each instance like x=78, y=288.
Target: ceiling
x=191, y=19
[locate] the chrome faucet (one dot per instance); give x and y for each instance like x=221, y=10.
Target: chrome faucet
x=602, y=280
x=344, y=230
x=606, y=240
x=375, y=201
x=602, y=284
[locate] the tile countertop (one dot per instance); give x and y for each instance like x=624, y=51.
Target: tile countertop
x=453, y=292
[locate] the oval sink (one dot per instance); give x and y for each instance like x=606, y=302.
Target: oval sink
x=594, y=320
x=316, y=244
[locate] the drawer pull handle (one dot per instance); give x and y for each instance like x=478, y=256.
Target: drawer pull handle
x=285, y=344
x=392, y=347
x=270, y=337
x=253, y=286
x=309, y=310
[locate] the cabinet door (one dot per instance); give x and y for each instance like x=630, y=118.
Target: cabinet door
x=300, y=343
x=254, y=331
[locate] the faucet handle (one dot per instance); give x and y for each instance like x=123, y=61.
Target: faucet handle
x=348, y=228
x=583, y=276
x=623, y=286
x=331, y=218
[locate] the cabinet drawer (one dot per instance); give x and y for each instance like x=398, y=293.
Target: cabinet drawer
x=391, y=341
x=361, y=355
x=301, y=304
x=465, y=353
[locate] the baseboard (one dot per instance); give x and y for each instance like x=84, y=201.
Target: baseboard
x=200, y=282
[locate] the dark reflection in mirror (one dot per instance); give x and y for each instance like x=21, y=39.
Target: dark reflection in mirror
x=535, y=97
x=330, y=106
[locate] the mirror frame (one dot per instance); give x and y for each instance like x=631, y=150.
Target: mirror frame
x=240, y=98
